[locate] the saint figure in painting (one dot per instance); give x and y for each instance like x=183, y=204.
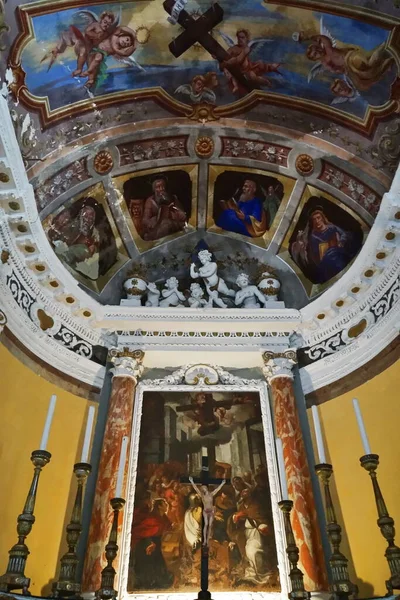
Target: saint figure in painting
x=323, y=247
x=161, y=213
x=82, y=238
x=245, y=215
x=150, y=522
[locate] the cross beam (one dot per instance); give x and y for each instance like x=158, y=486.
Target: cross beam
x=198, y=30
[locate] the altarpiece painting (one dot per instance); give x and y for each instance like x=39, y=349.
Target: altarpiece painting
x=179, y=432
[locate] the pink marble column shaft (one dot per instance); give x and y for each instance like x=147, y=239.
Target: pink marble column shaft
x=127, y=368
x=287, y=424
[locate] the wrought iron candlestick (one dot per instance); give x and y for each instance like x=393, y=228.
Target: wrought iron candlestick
x=107, y=591
x=385, y=522
x=14, y=578
x=67, y=584
x=296, y=576
x=341, y=584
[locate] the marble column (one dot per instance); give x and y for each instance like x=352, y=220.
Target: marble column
x=278, y=372
x=126, y=372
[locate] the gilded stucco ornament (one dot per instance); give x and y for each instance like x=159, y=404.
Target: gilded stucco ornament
x=127, y=363
x=304, y=164
x=103, y=162
x=204, y=147
x=279, y=364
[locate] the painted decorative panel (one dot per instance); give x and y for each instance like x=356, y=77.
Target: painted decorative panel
x=159, y=204
x=178, y=430
x=324, y=238
x=246, y=202
x=343, y=64
x=84, y=237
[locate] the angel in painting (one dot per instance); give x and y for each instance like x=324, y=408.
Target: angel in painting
x=239, y=56
x=102, y=37
x=363, y=67
x=200, y=89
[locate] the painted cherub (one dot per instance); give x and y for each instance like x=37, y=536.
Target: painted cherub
x=207, y=498
x=172, y=296
x=120, y=45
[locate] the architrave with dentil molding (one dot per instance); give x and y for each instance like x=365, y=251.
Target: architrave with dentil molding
x=194, y=378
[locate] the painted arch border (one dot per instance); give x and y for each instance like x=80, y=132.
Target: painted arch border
x=48, y=117
x=177, y=382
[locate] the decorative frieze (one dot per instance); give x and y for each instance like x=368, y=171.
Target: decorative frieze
x=264, y=152
x=153, y=149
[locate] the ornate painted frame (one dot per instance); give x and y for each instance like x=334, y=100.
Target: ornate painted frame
x=203, y=377
x=203, y=111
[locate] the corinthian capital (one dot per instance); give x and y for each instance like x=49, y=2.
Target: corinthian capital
x=279, y=364
x=127, y=363
x=3, y=320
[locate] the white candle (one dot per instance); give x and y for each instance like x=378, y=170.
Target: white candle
x=88, y=435
x=361, y=427
x=47, y=425
x=318, y=435
x=281, y=467
x=121, y=468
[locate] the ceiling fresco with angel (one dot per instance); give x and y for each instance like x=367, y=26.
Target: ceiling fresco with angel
x=78, y=56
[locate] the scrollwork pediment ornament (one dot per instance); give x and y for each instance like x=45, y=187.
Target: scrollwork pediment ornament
x=201, y=375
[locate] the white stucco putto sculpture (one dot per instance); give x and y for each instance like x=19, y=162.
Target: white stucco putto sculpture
x=208, y=272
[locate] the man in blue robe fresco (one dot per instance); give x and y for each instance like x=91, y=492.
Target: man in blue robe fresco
x=245, y=215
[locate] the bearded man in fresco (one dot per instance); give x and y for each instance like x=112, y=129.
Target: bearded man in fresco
x=245, y=215
x=162, y=213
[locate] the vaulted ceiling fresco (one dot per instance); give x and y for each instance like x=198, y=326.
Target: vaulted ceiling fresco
x=266, y=129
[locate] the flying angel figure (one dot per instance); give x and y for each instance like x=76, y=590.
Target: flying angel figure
x=238, y=56
x=363, y=68
x=344, y=91
x=199, y=89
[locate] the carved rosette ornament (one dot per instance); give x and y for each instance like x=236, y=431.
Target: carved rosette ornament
x=127, y=363
x=203, y=112
x=279, y=364
x=103, y=162
x=204, y=147
x=304, y=164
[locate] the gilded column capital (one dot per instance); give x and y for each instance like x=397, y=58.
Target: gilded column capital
x=127, y=363
x=3, y=320
x=279, y=364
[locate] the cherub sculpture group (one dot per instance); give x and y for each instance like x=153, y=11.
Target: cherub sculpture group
x=216, y=289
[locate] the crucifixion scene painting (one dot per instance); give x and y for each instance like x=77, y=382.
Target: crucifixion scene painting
x=202, y=508
x=211, y=52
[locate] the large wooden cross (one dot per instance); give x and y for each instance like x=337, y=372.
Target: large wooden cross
x=204, y=479
x=198, y=30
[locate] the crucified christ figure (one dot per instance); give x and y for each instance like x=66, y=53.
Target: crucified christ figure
x=208, y=507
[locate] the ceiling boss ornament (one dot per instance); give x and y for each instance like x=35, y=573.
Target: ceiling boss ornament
x=204, y=147
x=103, y=162
x=304, y=164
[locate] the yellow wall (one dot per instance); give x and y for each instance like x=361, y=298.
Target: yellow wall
x=24, y=402
x=352, y=488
